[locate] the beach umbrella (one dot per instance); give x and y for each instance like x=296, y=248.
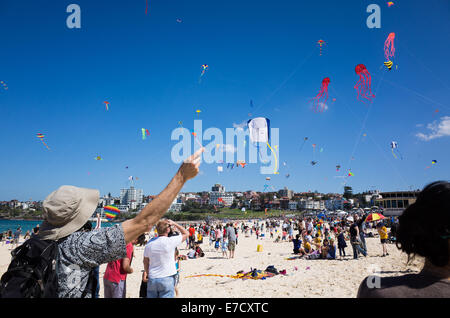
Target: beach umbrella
x=374, y=217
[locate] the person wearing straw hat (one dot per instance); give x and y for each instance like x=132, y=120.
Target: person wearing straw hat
x=68, y=208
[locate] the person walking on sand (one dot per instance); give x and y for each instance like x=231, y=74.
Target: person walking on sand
x=382, y=231
x=231, y=235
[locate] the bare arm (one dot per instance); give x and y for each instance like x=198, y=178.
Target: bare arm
x=159, y=206
x=126, y=265
x=146, y=263
x=184, y=233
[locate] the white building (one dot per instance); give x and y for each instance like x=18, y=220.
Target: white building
x=131, y=197
x=293, y=205
x=334, y=204
x=221, y=198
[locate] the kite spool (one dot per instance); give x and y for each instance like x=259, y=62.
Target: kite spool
x=259, y=248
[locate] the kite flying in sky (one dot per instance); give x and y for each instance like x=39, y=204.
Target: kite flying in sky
x=259, y=129
x=322, y=96
x=321, y=42
x=111, y=212
x=145, y=133
x=394, y=145
x=364, y=85
x=389, y=50
x=390, y=4
x=41, y=137
x=98, y=158
x=204, y=68
x=5, y=87
x=106, y=104
x=338, y=167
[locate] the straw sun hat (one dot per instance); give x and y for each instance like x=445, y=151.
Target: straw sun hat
x=66, y=210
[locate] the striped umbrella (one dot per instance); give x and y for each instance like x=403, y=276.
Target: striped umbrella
x=374, y=217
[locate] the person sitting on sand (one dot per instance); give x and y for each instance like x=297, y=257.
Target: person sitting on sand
x=191, y=253
x=423, y=229
x=331, y=254
x=325, y=248
x=198, y=251
x=297, y=244
x=278, y=239
x=317, y=242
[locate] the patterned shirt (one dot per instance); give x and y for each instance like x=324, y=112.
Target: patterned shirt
x=81, y=252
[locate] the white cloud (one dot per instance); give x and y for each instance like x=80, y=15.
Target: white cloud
x=419, y=125
x=436, y=129
x=323, y=107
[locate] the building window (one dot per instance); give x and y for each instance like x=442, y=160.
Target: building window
x=400, y=204
x=388, y=204
x=394, y=204
x=405, y=203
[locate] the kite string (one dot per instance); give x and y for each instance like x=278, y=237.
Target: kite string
x=285, y=81
x=373, y=141
x=424, y=66
x=358, y=139
x=417, y=93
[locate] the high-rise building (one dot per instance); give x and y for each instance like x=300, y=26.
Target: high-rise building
x=218, y=188
x=286, y=193
x=131, y=197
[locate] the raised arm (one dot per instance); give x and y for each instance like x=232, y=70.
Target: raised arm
x=159, y=206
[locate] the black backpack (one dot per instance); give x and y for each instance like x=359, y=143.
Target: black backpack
x=32, y=272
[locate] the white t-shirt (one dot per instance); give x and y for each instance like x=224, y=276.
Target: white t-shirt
x=161, y=252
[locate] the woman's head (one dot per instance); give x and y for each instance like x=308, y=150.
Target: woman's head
x=424, y=227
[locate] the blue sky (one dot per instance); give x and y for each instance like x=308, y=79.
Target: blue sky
x=148, y=67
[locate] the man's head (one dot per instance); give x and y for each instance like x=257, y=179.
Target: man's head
x=163, y=228
x=66, y=211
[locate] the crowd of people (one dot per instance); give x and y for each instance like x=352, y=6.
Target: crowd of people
x=78, y=249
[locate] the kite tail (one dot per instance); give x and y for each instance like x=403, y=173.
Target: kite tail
x=45, y=145
x=394, y=154
x=276, y=162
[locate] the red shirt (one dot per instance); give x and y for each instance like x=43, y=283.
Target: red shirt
x=191, y=231
x=114, y=272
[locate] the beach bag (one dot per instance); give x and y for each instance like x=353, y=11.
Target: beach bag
x=272, y=269
x=32, y=271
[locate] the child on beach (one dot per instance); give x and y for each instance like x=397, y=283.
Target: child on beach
x=341, y=243
x=177, y=266
x=382, y=230
x=297, y=244
x=225, y=247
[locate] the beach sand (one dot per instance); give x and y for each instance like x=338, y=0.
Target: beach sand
x=324, y=278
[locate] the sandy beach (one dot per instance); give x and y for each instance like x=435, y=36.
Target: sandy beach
x=313, y=278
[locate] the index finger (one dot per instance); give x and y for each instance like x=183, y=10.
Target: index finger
x=195, y=155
